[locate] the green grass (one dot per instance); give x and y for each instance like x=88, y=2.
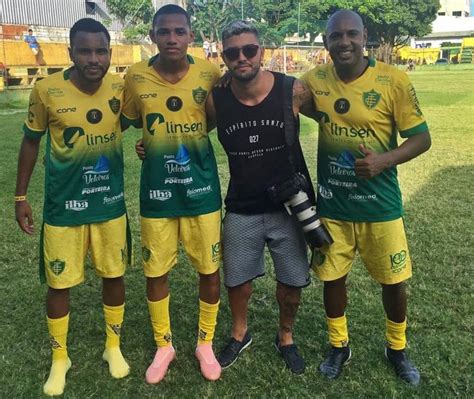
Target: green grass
x=439, y=218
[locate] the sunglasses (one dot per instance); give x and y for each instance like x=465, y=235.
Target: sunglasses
x=233, y=53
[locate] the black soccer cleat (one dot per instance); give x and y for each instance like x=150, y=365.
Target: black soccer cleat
x=291, y=357
x=232, y=350
x=404, y=369
x=336, y=359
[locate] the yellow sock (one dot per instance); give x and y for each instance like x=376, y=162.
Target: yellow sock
x=113, y=316
x=160, y=321
x=338, y=334
x=396, y=338
x=207, y=321
x=61, y=363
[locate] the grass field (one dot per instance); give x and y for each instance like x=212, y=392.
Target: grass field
x=437, y=191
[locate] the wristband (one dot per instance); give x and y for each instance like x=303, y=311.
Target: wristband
x=20, y=198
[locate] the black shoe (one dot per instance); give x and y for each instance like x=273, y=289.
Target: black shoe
x=336, y=359
x=404, y=369
x=232, y=350
x=290, y=355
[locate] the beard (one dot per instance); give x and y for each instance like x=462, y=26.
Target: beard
x=245, y=76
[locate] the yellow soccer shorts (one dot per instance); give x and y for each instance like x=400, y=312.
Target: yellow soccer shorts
x=200, y=235
x=64, y=249
x=381, y=245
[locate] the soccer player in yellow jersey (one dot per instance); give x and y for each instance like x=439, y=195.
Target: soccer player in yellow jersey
x=361, y=105
x=180, y=193
x=79, y=111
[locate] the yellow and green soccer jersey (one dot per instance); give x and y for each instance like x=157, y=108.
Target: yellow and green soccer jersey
x=370, y=111
x=179, y=175
x=84, y=159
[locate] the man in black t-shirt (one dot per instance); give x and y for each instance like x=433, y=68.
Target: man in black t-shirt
x=250, y=124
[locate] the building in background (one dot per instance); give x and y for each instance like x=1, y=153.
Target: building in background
x=455, y=8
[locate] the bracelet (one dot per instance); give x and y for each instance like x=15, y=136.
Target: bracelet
x=20, y=198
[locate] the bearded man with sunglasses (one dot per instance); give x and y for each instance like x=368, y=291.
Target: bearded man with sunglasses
x=250, y=124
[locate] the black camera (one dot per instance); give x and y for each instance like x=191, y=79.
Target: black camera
x=292, y=193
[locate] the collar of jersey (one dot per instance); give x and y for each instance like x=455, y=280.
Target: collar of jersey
x=152, y=59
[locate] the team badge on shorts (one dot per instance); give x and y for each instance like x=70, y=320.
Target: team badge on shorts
x=146, y=254
x=318, y=258
x=371, y=98
x=114, y=105
x=216, y=251
x=57, y=266
x=199, y=95
x=398, y=261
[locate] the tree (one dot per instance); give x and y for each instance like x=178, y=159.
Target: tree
x=135, y=15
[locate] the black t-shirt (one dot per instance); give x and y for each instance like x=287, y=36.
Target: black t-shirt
x=254, y=139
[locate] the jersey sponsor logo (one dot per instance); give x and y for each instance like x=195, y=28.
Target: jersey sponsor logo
x=114, y=104
x=55, y=92
x=76, y=205
x=206, y=76
x=94, y=190
x=325, y=192
x=160, y=195
x=155, y=119
x=337, y=130
x=339, y=183
x=181, y=157
x=174, y=103
x=137, y=78
x=57, y=266
x=193, y=192
x=384, y=80
x=176, y=180
x=362, y=197
x=398, y=261
x=371, y=98
x=199, y=95
x=148, y=95
x=321, y=93
x=345, y=160
x=71, y=135
x=414, y=99
x=342, y=105
x=114, y=199
x=99, y=172
x=321, y=74
x=94, y=116
x=66, y=110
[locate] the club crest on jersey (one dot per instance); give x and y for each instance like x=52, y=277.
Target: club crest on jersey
x=94, y=116
x=174, y=103
x=57, y=266
x=371, y=98
x=114, y=104
x=199, y=95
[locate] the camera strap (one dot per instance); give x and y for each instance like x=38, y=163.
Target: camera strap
x=291, y=132
x=295, y=154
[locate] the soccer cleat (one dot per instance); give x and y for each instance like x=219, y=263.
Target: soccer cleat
x=158, y=368
x=210, y=367
x=232, y=350
x=404, y=369
x=336, y=359
x=290, y=355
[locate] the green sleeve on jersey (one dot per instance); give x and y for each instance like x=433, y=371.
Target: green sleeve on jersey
x=32, y=134
x=421, y=128
x=125, y=122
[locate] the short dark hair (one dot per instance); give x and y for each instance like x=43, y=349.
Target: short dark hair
x=171, y=9
x=30, y=30
x=88, y=25
x=238, y=27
